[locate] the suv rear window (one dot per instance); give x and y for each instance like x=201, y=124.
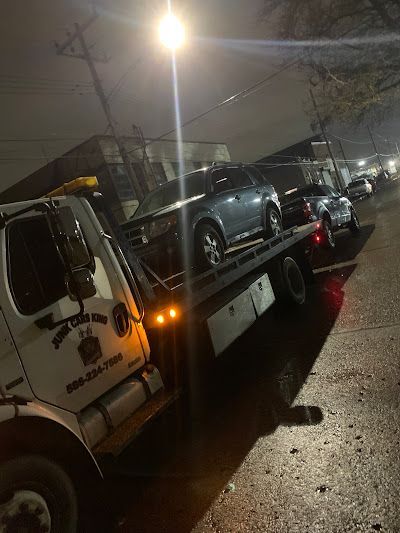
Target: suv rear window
x=356, y=183
x=311, y=190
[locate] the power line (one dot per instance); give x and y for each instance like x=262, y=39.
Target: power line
x=348, y=140
x=232, y=99
x=27, y=79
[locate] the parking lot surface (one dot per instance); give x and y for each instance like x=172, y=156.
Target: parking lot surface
x=299, y=427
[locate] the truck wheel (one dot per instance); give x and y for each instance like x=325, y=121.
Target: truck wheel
x=288, y=282
x=354, y=224
x=210, y=250
x=36, y=495
x=273, y=223
x=328, y=239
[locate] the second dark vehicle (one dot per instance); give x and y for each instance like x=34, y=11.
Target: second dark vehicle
x=319, y=202
x=193, y=219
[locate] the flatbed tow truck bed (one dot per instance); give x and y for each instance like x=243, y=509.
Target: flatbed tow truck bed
x=190, y=291
x=230, y=297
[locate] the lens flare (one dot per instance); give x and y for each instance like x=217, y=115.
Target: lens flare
x=171, y=32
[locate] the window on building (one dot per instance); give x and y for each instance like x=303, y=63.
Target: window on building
x=159, y=173
x=122, y=183
x=175, y=166
x=35, y=270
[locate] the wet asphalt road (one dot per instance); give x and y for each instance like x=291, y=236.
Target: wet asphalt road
x=298, y=428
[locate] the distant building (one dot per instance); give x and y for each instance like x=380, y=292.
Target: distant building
x=99, y=156
x=302, y=163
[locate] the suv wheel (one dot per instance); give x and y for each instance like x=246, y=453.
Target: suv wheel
x=273, y=223
x=354, y=224
x=328, y=237
x=210, y=250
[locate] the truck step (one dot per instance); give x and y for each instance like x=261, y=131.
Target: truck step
x=124, y=434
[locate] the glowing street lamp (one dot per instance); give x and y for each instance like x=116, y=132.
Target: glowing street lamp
x=361, y=163
x=171, y=31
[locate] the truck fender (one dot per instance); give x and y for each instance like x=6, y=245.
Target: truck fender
x=27, y=429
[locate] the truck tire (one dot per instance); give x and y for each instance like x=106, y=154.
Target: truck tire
x=288, y=282
x=36, y=495
x=328, y=238
x=354, y=224
x=209, y=247
x=273, y=223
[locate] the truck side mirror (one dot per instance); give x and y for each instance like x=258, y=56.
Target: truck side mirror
x=81, y=285
x=73, y=241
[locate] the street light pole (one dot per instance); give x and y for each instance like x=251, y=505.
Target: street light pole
x=339, y=179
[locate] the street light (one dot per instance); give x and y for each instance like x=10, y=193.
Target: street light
x=361, y=163
x=171, y=32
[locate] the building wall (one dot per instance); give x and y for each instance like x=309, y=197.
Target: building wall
x=100, y=156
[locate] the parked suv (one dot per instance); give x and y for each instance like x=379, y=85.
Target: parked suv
x=319, y=202
x=359, y=187
x=196, y=217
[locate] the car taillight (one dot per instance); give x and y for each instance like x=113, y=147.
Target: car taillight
x=307, y=210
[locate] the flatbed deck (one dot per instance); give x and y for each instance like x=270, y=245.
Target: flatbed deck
x=190, y=291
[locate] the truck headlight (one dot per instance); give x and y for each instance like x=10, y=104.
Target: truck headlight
x=161, y=226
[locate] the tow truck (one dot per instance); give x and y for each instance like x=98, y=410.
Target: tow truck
x=77, y=382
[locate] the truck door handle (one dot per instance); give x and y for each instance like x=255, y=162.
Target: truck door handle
x=121, y=317
x=237, y=197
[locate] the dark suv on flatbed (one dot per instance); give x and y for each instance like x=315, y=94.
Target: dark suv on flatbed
x=193, y=219
x=319, y=202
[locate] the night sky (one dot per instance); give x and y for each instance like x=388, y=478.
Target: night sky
x=49, y=99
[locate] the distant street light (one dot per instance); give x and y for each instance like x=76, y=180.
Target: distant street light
x=361, y=163
x=391, y=163
x=171, y=31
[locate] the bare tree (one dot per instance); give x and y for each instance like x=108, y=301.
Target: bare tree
x=349, y=49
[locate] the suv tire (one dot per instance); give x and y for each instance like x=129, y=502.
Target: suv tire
x=354, y=224
x=273, y=223
x=209, y=247
x=328, y=238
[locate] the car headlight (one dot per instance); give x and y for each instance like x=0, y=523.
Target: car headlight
x=161, y=226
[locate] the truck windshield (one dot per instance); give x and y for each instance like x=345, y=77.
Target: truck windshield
x=177, y=190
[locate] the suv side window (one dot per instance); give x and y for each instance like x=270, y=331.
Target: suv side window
x=220, y=180
x=239, y=178
x=256, y=175
x=35, y=271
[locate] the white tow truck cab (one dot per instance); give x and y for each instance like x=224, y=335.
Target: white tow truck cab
x=76, y=381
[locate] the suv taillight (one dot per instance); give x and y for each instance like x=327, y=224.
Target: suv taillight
x=307, y=210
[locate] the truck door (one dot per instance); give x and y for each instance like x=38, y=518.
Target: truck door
x=74, y=363
x=234, y=200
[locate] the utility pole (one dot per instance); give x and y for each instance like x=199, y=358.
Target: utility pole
x=90, y=61
x=344, y=157
x=374, y=145
x=339, y=179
